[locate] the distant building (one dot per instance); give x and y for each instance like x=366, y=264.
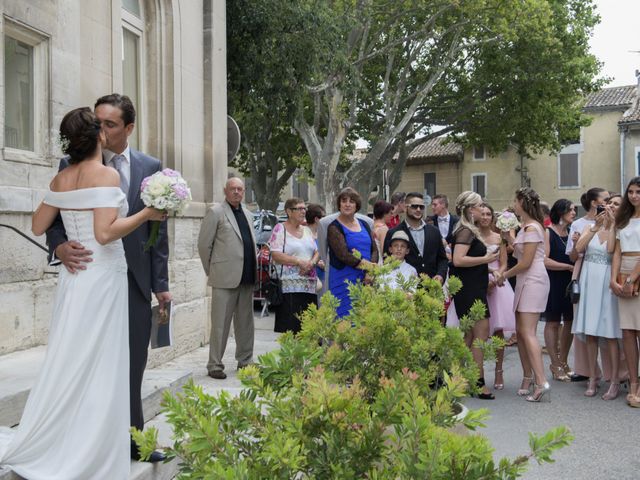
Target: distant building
x=607, y=155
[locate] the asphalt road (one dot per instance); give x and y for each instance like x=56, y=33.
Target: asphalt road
x=607, y=433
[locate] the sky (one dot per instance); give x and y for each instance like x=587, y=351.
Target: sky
x=615, y=38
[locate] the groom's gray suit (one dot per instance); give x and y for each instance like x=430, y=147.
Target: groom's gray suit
x=147, y=272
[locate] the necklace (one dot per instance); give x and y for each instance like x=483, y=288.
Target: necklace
x=560, y=236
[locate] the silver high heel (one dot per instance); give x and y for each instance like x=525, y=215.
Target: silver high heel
x=525, y=387
x=540, y=392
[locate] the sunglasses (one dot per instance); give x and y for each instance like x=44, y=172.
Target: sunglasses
x=417, y=206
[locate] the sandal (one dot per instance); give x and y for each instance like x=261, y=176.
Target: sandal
x=482, y=395
x=496, y=385
x=633, y=388
x=612, y=392
x=525, y=387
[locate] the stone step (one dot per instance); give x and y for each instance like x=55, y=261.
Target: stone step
x=19, y=369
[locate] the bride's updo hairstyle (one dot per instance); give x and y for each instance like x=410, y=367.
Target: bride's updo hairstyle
x=464, y=202
x=79, y=134
x=530, y=201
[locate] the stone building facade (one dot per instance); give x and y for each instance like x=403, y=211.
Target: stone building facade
x=170, y=57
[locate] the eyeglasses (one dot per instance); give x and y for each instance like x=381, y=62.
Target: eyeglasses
x=299, y=209
x=417, y=206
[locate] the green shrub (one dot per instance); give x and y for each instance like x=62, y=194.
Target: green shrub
x=368, y=396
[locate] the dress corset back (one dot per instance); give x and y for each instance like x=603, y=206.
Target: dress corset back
x=79, y=223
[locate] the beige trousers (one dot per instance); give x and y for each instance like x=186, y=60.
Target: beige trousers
x=231, y=304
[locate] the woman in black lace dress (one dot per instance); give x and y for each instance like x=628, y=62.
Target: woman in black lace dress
x=470, y=265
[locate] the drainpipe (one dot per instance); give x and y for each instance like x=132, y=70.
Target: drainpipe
x=623, y=132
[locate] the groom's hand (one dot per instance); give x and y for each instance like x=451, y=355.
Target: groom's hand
x=163, y=297
x=73, y=255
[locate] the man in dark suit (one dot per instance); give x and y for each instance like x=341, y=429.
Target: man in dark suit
x=441, y=218
x=426, y=249
x=147, y=271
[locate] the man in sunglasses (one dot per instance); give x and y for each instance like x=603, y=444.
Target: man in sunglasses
x=426, y=249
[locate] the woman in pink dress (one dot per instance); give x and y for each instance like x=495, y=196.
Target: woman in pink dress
x=499, y=298
x=532, y=290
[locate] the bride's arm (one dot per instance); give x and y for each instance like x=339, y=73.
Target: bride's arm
x=43, y=218
x=108, y=227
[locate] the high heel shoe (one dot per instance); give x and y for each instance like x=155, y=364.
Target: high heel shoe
x=481, y=395
x=633, y=388
x=525, y=387
x=612, y=392
x=592, y=388
x=540, y=392
x=558, y=373
x=567, y=371
x=496, y=385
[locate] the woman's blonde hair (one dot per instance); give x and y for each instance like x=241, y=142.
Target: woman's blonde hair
x=464, y=202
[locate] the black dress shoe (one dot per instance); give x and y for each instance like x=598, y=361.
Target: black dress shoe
x=217, y=374
x=155, y=456
x=240, y=367
x=578, y=378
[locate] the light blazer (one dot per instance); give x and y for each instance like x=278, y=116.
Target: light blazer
x=323, y=246
x=150, y=268
x=220, y=245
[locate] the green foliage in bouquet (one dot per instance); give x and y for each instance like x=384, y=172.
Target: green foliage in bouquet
x=371, y=395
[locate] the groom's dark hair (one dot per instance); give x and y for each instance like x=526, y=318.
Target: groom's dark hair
x=122, y=102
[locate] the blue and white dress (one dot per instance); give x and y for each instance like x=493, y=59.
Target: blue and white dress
x=597, y=313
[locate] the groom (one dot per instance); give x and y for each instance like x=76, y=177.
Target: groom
x=147, y=271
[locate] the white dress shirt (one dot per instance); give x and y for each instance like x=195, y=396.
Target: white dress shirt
x=443, y=225
x=418, y=236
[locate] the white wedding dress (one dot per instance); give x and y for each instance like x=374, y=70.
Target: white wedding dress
x=75, y=425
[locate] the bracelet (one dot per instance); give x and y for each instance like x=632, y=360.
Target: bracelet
x=594, y=231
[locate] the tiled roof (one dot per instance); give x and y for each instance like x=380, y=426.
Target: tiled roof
x=633, y=114
x=436, y=148
x=611, y=98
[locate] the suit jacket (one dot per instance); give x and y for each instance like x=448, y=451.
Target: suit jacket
x=453, y=219
x=432, y=260
x=151, y=268
x=220, y=246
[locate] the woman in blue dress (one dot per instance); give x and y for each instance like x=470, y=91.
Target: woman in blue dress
x=347, y=235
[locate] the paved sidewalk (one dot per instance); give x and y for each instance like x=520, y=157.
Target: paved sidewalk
x=607, y=438
x=606, y=444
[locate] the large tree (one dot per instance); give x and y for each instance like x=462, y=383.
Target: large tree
x=273, y=47
x=490, y=72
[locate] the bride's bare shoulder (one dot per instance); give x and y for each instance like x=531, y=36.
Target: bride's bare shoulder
x=102, y=176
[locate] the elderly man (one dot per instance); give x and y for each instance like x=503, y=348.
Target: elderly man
x=227, y=249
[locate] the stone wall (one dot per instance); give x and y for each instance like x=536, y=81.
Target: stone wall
x=183, y=122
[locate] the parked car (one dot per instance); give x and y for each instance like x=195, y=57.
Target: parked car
x=263, y=223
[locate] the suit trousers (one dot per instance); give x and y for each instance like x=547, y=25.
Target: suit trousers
x=139, y=335
x=227, y=304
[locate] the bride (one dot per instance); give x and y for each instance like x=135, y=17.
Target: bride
x=75, y=424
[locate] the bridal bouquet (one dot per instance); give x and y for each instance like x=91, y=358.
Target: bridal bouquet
x=165, y=190
x=507, y=221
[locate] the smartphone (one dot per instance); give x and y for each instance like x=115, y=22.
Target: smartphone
x=599, y=209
